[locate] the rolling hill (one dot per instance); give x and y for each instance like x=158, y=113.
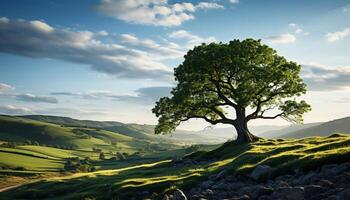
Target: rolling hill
x=24, y=130
x=321, y=129
x=136, y=131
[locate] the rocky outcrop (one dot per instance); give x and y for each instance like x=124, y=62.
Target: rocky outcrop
x=329, y=182
x=260, y=171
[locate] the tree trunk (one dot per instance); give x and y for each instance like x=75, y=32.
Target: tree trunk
x=243, y=134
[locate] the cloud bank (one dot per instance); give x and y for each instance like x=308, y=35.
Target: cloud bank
x=14, y=110
x=319, y=78
x=147, y=95
x=339, y=35
x=37, y=39
x=36, y=99
x=281, y=39
x=4, y=87
x=153, y=12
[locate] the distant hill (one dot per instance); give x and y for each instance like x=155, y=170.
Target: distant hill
x=67, y=121
x=138, y=131
x=321, y=129
x=69, y=132
x=230, y=133
x=64, y=125
x=286, y=130
x=18, y=129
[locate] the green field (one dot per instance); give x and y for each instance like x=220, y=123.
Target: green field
x=283, y=156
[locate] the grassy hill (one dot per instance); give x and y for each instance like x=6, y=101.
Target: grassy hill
x=67, y=121
x=18, y=129
x=283, y=156
x=25, y=138
x=136, y=131
x=321, y=129
x=286, y=130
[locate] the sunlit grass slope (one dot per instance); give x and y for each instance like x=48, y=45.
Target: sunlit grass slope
x=282, y=155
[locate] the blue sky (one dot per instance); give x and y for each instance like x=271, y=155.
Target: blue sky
x=111, y=59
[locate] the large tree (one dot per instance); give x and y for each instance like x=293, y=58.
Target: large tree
x=218, y=77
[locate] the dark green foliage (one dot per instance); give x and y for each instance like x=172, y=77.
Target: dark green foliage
x=120, y=156
x=76, y=165
x=239, y=74
x=102, y=156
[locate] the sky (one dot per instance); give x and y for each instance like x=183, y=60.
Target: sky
x=113, y=59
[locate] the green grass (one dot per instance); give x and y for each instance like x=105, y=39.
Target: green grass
x=133, y=139
x=283, y=156
x=11, y=160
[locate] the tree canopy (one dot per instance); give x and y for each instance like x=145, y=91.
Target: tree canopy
x=239, y=75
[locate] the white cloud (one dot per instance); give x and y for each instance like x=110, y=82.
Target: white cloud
x=191, y=39
x=282, y=39
x=335, y=36
x=34, y=98
x=147, y=95
x=103, y=33
x=209, y=5
x=39, y=40
x=41, y=26
x=297, y=29
x=167, y=50
x=321, y=78
x=152, y=12
x=14, y=110
x=4, y=20
x=234, y=1
x=4, y=87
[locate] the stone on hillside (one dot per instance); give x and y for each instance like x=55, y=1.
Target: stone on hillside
x=325, y=183
x=282, y=184
x=244, y=197
x=308, y=178
x=333, y=169
x=259, y=171
x=221, y=175
x=345, y=195
x=207, y=184
x=313, y=191
x=166, y=197
x=209, y=192
x=179, y=195
x=289, y=193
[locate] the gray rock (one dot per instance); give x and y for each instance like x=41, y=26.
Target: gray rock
x=313, y=191
x=325, y=183
x=345, y=194
x=332, y=197
x=221, y=175
x=308, y=178
x=256, y=191
x=259, y=171
x=289, y=193
x=166, y=197
x=209, y=192
x=264, y=197
x=207, y=184
x=333, y=169
x=282, y=184
x=244, y=197
x=221, y=186
x=329, y=170
x=179, y=195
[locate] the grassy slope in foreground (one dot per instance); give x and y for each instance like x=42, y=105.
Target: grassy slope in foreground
x=282, y=155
